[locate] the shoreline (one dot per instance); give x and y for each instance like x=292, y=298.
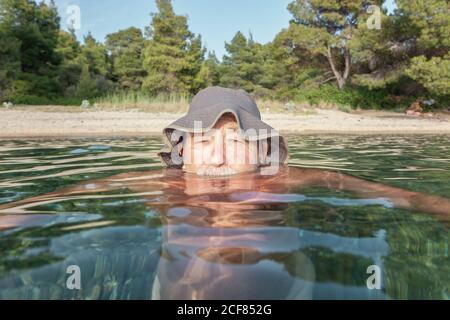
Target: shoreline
x=31, y=123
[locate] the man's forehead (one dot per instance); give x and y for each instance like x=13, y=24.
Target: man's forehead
x=223, y=131
x=226, y=122
x=225, y=125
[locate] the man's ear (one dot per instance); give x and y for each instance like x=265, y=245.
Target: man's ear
x=263, y=152
x=180, y=149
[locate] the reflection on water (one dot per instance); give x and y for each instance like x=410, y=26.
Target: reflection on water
x=141, y=233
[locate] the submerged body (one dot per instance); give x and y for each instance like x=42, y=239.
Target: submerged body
x=221, y=236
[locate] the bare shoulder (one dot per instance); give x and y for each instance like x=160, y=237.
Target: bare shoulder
x=297, y=172
x=295, y=175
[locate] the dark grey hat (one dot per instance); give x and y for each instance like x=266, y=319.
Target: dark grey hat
x=208, y=106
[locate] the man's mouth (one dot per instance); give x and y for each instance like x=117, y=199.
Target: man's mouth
x=216, y=171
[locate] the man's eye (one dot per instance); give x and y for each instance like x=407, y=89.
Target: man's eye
x=236, y=140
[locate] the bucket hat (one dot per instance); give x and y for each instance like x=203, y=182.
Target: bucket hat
x=208, y=106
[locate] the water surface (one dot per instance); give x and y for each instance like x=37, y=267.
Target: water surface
x=101, y=205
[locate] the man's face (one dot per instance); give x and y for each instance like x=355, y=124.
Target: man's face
x=222, y=151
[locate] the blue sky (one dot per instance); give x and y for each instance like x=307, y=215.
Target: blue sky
x=216, y=20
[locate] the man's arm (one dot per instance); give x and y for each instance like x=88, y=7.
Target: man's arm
x=401, y=198
x=135, y=181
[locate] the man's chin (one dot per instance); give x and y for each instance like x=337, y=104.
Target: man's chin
x=207, y=171
x=216, y=172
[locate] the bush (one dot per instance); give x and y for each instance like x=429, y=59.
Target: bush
x=36, y=100
x=345, y=108
x=354, y=97
x=176, y=103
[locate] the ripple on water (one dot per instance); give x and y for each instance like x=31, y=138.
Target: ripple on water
x=117, y=236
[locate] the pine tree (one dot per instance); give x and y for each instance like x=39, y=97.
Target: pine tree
x=70, y=50
x=410, y=52
x=173, y=55
x=195, y=58
x=325, y=28
x=241, y=65
x=95, y=60
x=87, y=86
x=428, y=25
x=126, y=50
x=95, y=56
x=32, y=30
x=273, y=70
x=9, y=54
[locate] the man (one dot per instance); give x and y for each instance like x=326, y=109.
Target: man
x=221, y=201
x=222, y=134
x=215, y=139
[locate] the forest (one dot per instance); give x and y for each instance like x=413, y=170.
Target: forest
x=345, y=52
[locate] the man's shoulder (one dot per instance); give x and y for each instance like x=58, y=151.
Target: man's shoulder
x=291, y=175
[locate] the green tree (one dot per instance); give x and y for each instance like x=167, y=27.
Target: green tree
x=209, y=74
x=427, y=25
x=95, y=56
x=433, y=74
x=291, y=67
x=126, y=50
x=378, y=55
x=173, y=55
x=195, y=58
x=70, y=49
x=96, y=69
x=87, y=87
x=242, y=64
x=32, y=32
x=9, y=54
x=325, y=28
x=410, y=53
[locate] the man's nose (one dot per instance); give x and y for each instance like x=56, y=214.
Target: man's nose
x=217, y=156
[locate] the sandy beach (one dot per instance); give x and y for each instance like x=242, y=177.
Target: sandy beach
x=63, y=122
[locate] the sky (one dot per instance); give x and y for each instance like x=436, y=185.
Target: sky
x=217, y=21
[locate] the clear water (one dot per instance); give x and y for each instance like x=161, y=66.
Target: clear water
x=204, y=239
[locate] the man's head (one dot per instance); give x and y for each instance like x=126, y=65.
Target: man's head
x=221, y=151
x=222, y=134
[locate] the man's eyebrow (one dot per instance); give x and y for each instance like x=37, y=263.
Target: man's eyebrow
x=204, y=136
x=232, y=132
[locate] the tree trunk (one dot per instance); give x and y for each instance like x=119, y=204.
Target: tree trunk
x=340, y=78
x=348, y=64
